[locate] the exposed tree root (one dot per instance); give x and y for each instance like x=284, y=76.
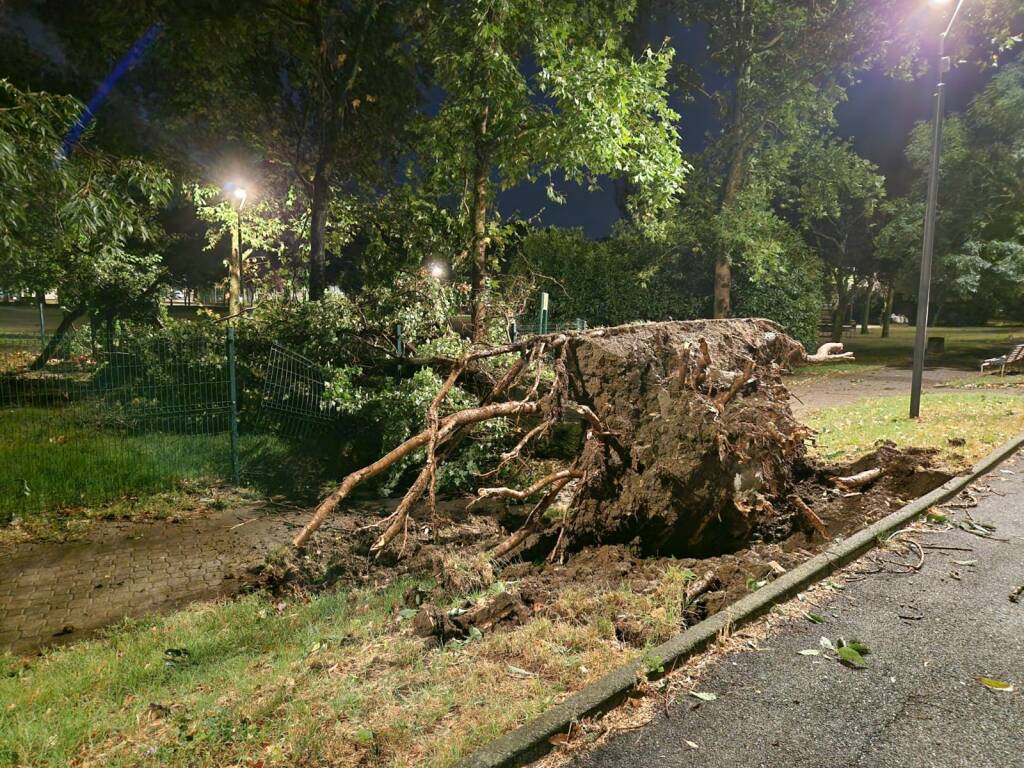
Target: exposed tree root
x=859, y=480
x=684, y=450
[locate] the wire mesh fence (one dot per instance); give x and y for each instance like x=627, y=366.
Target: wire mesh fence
x=89, y=428
x=292, y=401
x=104, y=420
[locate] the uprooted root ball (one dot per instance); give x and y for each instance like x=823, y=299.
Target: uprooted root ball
x=690, y=443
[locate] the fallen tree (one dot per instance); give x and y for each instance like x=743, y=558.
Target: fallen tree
x=689, y=442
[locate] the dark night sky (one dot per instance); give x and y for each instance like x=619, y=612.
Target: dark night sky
x=878, y=117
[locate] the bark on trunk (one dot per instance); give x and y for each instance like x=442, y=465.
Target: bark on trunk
x=730, y=191
x=318, y=226
x=841, y=307
x=478, y=252
x=865, y=321
x=66, y=324
x=890, y=295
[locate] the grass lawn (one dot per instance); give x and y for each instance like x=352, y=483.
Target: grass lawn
x=59, y=468
x=340, y=680
x=58, y=458
x=983, y=421
x=965, y=348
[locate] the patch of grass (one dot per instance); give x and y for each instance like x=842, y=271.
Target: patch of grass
x=61, y=465
x=53, y=458
x=818, y=372
x=985, y=382
x=982, y=421
x=339, y=680
x=964, y=347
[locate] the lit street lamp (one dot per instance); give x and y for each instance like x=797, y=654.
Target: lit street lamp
x=438, y=271
x=238, y=195
x=928, y=246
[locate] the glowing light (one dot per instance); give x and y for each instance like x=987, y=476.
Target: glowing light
x=239, y=193
x=939, y=3
x=437, y=270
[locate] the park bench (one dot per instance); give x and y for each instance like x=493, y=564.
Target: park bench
x=1013, y=360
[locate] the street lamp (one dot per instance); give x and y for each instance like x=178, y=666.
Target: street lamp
x=928, y=245
x=238, y=195
x=438, y=271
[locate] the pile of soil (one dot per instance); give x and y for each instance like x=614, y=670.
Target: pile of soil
x=454, y=558
x=702, y=438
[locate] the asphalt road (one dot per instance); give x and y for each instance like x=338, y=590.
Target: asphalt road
x=917, y=704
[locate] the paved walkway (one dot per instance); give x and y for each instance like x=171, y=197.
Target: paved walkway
x=54, y=592
x=932, y=633
x=815, y=393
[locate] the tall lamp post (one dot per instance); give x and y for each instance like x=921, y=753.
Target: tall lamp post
x=928, y=246
x=238, y=195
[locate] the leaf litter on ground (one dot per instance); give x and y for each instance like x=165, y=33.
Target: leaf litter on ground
x=996, y=685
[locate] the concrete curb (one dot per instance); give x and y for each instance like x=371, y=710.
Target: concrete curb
x=530, y=741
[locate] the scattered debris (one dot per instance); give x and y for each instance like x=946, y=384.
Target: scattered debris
x=852, y=653
x=704, y=695
x=1016, y=594
x=996, y=685
x=910, y=613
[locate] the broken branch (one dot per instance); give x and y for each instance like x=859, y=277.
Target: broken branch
x=810, y=516
x=857, y=481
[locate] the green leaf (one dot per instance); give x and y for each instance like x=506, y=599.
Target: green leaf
x=851, y=657
x=858, y=646
x=407, y=613
x=996, y=685
x=815, y=618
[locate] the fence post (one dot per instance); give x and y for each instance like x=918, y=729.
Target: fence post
x=41, y=301
x=542, y=321
x=233, y=397
x=513, y=330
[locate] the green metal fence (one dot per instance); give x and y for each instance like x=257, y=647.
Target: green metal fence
x=106, y=420
x=292, y=401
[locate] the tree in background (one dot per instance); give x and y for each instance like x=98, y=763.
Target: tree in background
x=979, y=264
x=84, y=224
x=531, y=88
x=312, y=95
x=833, y=201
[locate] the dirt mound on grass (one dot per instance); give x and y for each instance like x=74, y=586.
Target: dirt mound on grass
x=642, y=598
x=703, y=440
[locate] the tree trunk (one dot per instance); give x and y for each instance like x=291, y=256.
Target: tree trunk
x=318, y=225
x=866, y=317
x=841, y=307
x=838, y=313
x=723, y=261
x=66, y=324
x=235, y=269
x=890, y=295
x=332, y=118
x=478, y=252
